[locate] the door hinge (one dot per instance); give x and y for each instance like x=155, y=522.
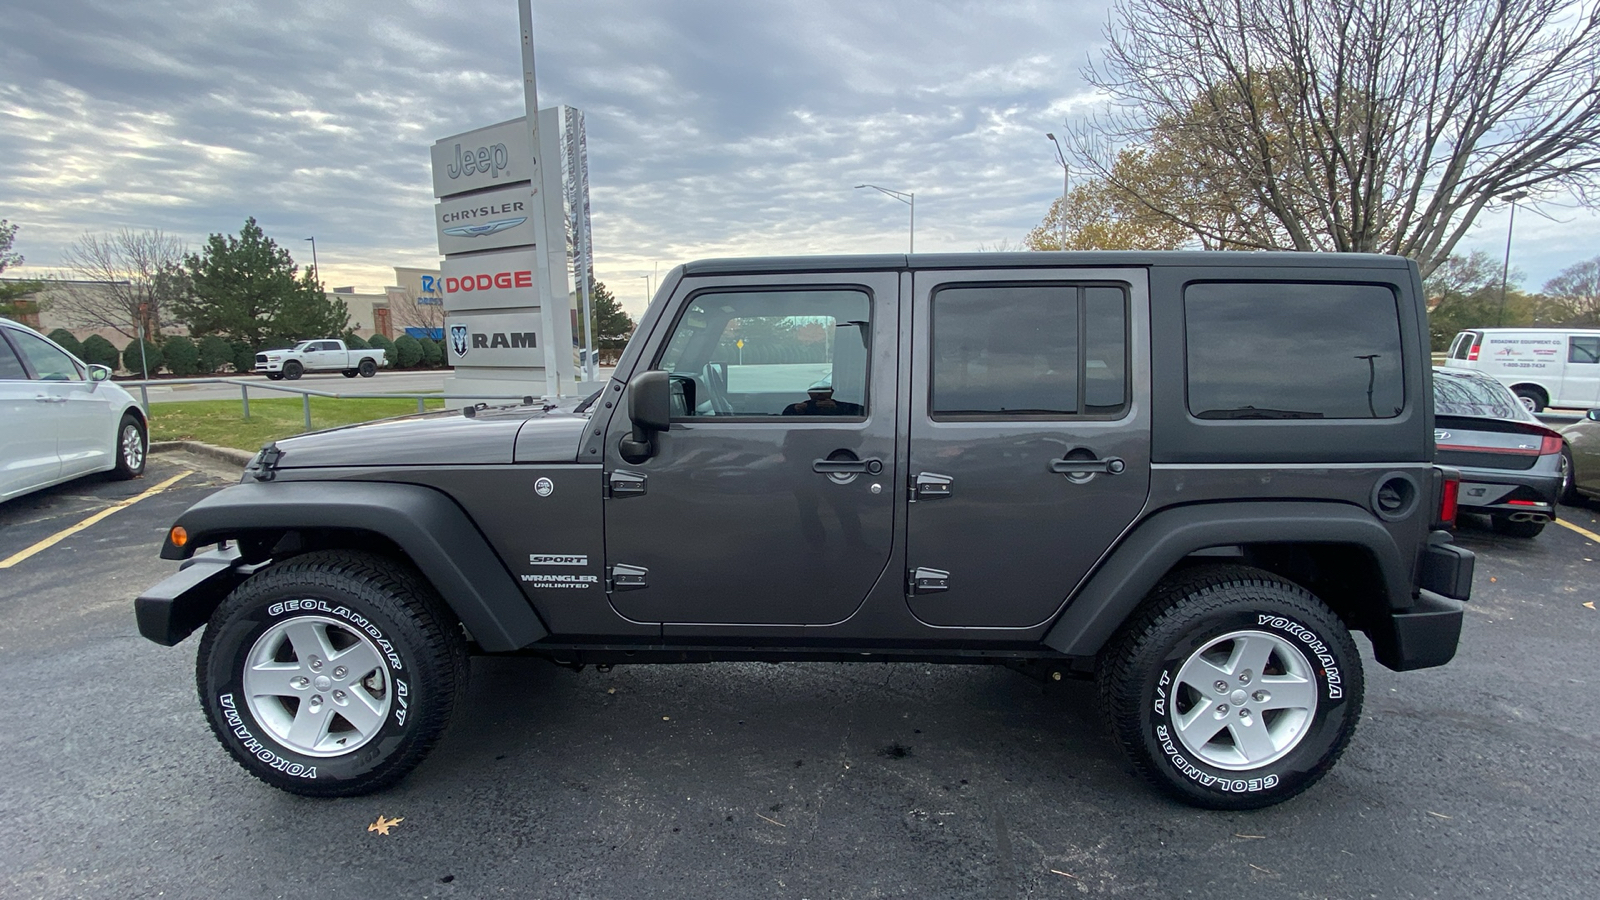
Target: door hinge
x=626, y=578
x=923, y=580
x=626, y=484
x=930, y=486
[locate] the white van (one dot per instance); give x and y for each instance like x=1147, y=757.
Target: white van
x=1544, y=366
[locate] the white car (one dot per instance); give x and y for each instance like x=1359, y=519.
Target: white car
x=60, y=418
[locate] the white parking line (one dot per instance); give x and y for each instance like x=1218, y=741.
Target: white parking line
x=65, y=533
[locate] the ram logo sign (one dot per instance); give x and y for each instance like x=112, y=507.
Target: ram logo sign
x=495, y=340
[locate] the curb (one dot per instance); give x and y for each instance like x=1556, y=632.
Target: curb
x=239, y=458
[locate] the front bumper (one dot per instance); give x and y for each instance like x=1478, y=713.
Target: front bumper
x=171, y=610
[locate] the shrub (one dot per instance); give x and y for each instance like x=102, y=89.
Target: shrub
x=244, y=358
x=444, y=354
x=99, y=351
x=354, y=342
x=407, y=351
x=67, y=342
x=135, y=362
x=432, y=353
x=214, y=354
x=379, y=342
x=183, y=357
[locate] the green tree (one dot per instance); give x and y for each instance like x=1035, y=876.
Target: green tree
x=101, y=352
x=1347, y=125
x=1465, y=292
x=242, y=356
x=12, y=292
x=214, y=354
x=1574, y=295
x=407, y=351
x=612, y=326
x=182, y=356
x=68, y=342
x=246, y=288
x=143, y=364
x=1108, y=214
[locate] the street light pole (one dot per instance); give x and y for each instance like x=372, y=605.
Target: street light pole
x=910, y=199
x=316, y=273
x=1066, y=173
x=1505, y=268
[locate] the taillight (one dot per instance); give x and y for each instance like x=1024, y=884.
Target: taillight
x=1477, y=341
x=1448, y=495
x=1551, y=445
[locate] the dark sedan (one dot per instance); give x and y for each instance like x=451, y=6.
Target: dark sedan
x=1581, y=466
x=1511, y=463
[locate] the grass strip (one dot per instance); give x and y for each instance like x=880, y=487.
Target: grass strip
x=220, y=423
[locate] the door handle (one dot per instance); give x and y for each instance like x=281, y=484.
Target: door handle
x=43, y=398
x=1111, y=465
x=847, y=466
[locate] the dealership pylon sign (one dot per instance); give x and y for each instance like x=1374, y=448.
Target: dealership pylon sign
x=508, y=324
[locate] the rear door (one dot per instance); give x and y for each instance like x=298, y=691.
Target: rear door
x=1029, y=437
x=1580, y=386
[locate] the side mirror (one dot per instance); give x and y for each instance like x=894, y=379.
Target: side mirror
x=650, y=410
x=1594, y=415
x=98, y=373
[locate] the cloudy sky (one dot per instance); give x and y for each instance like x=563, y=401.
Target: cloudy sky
x=715, y=128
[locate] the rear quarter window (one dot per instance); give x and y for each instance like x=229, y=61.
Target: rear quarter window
x=1283, y=350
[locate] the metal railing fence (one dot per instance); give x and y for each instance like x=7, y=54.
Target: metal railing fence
x=307, y=393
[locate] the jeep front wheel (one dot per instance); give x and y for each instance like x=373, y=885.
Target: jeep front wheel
x=1232, y=688
x=331, y=674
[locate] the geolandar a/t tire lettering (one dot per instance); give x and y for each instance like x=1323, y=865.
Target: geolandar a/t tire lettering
x=332, y=673
x=1232, y=688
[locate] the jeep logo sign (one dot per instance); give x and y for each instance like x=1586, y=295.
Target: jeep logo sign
x=495, y=340
x=500, y=280
x=488, y=157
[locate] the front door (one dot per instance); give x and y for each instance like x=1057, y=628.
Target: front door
x=770, y=499
x=1030, y=436
x=32, y=420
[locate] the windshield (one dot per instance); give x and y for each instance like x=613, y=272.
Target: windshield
x=303, y=346
x=1454, y=395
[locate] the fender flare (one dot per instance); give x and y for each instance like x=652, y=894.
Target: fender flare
x=429, y=527
x=1164, y=539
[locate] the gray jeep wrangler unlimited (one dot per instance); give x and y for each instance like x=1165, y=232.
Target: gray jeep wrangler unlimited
x=1189, y=476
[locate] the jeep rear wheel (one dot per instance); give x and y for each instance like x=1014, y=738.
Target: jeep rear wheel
x=331, y=674
x=1232, y=688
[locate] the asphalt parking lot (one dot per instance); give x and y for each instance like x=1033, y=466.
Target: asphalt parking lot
x=755, y=780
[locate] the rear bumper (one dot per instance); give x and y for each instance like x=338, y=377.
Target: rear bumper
x=1486, y=491
x=171, y=610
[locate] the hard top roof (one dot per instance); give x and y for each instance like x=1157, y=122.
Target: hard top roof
x=1043, y=259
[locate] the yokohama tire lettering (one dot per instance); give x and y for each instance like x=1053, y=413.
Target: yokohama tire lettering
x=256, y=748
x=1330, y=666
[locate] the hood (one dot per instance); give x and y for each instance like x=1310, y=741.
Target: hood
x=446, y=438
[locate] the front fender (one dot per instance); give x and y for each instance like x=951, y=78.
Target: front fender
x=428, y=526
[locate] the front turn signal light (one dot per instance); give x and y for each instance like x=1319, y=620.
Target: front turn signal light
x=178, y=536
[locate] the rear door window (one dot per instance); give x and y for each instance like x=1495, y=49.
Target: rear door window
x=1584, y=350
x=1278, y=350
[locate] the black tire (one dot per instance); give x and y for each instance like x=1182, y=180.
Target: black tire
x=1533, y=398
x=274, y=376
x=395, y=624
x=292, y=370
x=348, y=373
x=132, y=447
x=1146, y=701
x=1505, y=526
x=1569, y=479
x=368, y=367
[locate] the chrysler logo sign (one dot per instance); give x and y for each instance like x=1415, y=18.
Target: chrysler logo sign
x=484, y=228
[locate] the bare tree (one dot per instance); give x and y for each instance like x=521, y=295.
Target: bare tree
x=1348, y=125
x=124, y=282
x=1573, y=296
x=408, y=310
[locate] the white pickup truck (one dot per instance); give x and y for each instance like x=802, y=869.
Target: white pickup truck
x=318, y=356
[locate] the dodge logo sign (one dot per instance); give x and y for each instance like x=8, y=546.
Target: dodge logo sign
x=458, y=339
